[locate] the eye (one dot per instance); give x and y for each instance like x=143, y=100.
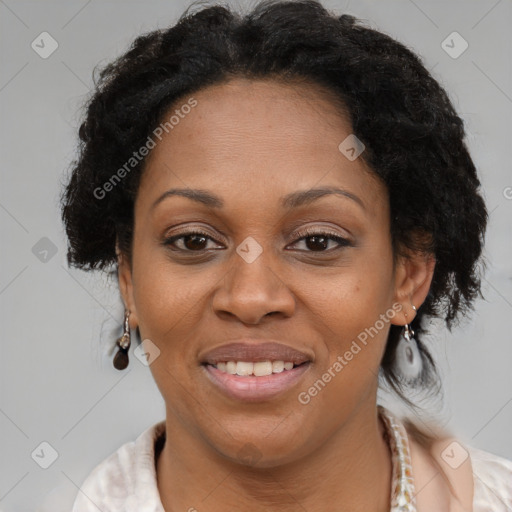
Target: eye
x=319, y=240
x=197, y=241
x=193, y=241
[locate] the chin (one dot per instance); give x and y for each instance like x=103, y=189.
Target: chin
x=262, y=446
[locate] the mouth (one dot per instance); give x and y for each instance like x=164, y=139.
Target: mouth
x=250, y=387
x=254, y=371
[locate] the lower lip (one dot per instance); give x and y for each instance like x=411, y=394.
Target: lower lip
x=254, y=389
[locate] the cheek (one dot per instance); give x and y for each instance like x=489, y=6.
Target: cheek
x=164, y=298
x=169, y=307
x=354, y=323
x=167, y=303
x=354, y=311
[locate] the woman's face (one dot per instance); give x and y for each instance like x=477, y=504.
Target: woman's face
x=311, y=272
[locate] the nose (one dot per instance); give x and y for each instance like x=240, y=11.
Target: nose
x=251, y=291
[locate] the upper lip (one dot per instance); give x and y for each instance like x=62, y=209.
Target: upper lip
x=254, y=350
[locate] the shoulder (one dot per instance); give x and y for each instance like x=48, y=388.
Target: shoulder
x=492, y=481
x=483, y=477
x=459, y=477
x=123, y=477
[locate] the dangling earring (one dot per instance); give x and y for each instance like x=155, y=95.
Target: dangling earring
x=121, y=357
x=407, y=356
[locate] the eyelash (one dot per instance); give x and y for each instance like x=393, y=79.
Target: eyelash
x=306, y=233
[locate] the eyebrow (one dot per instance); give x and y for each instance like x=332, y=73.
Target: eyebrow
x=293, y=200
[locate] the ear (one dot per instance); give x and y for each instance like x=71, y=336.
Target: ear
x=124, y=275
x=413, y=276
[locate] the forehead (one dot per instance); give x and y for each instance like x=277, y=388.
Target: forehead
x=241, y=111
x=251, y=138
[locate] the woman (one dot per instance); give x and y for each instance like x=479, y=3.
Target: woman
x=285, y=196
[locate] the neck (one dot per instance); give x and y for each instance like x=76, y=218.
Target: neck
x=335, y=477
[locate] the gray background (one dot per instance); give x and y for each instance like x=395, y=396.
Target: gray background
x=57, y=325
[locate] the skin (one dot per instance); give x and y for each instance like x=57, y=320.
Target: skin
x=250, y=143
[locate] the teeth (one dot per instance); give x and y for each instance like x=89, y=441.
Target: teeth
x=262, y=368
x=277, y=366
x=243, y=368
x=258, y=369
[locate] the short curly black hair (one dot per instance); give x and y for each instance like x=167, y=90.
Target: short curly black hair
x=414, y=138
